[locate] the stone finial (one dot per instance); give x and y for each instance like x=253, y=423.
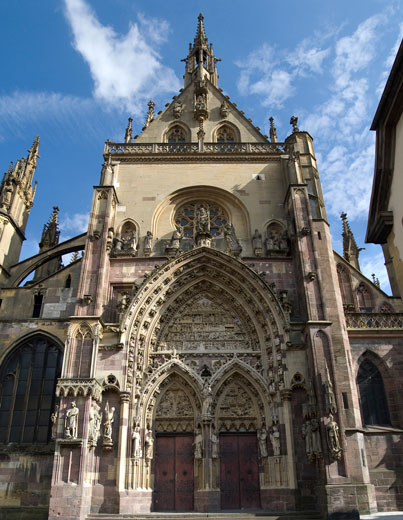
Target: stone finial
x=273, y=131
x=150, y=113
x=129, y=131
x=375, y=280
x=350, y=249
x=294, y=123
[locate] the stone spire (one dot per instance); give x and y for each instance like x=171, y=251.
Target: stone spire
x=350, y=249
x=51, y=233
x=273, y=131
x=129, y=131
x=200, y=62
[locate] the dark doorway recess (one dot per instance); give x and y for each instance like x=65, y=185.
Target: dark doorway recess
x=239, y=471
x=174, y=473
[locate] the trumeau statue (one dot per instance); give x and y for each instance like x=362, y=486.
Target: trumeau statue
x=275, y=440
x=71, y=422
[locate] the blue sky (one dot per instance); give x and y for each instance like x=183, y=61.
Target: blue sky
x=74, y=70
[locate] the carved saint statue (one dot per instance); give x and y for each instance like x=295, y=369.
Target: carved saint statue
x=177, y=236
x=307, y=436
x=136, y=442
x=198, y=444
x=231, y=239
x=200, y=103
x=257, y=240
x=275, y=440
x=214, y=444
x=332, y=430
x=148, y=242
x=271, y=242
x=54, y=418
x=109, y=419
x=202, y=221
x=207, y=398
x=316, y=447
x=93, y=426
x=178, y=109
x=148, y=444
x=71, y=422
x=123, y=303
x=262, y=438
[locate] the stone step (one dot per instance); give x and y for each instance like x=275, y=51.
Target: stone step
x=259, y=515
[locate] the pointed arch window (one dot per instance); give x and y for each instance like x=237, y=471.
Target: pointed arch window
x=176, y=135
x=28, y=379
x=374, y=406
x=225, y=134
x=364, y=298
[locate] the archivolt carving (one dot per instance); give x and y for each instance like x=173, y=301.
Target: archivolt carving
x=215, y=275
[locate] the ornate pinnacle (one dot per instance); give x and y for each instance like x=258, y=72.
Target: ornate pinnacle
x=350, y=249
x=294, y=123
x=375, y=280
x=150, y=113
x=273, y=131
x=54, y=218
x=200, y=34
x=129, y=131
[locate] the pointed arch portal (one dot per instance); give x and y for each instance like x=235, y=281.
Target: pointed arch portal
x=206, y=355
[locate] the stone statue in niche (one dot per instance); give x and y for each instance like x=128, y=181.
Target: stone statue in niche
x=262, y=439
x=198, y=444
x=125, y=244
x=71, y=422
x=148, y=243
x=175, y=243
x=148, y=444
x=214, y=444
x=94, y=426
x=257, y=243
x=316, y=447
x=332, y=430
x=231, y=239
x=109, y=239
x=200, y=103
x=136, y=442
x=54, y=418
x=277, y=241
x=123, y=303
x=275, y=440
x=109, y=420
x=178, y=109
x=207, y=398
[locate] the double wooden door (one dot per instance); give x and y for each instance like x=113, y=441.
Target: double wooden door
x=239, y=471
x=173, y=472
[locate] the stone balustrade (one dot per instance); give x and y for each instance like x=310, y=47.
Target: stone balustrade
x=374, y=320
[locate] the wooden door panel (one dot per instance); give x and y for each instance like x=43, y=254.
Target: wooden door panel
x=248, y=472
x=164, y=494
x=184, y=473
x=229, y=472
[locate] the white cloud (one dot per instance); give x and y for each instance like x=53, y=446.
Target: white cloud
x=75, y=224
x=389, y=61
x=306, y=58
x=126, y=70
x=374, y=263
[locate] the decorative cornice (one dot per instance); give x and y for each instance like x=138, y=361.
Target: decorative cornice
x=88, y=387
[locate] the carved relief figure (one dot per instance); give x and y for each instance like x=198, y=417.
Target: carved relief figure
x=307, y=436
x=71, y=422
x=109, y=419
x=123, y=303
x=54, y=418
x=198, y=444
x=224, y=109
x=136, y=442
x=332, y=430
x=275, y=440
x=262, y=438
x=257, y=240
x=207, y=398
x=276, y=240
x=178, y=109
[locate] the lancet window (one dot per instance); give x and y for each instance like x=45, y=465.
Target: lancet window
x=225, y=134
x=28, y=380
x=185, y=216
x=374, y=406
x=364, y=298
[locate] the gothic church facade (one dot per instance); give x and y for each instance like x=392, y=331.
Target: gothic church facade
x=209, y=351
